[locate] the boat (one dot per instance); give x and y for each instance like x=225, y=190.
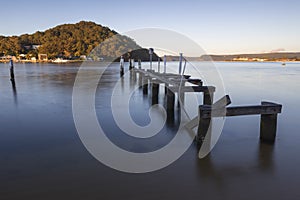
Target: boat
x=60, y=60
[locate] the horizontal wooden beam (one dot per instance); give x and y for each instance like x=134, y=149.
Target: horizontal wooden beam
x=195, y=81
x=170, y=79
x=184, y=89
x=265, y=108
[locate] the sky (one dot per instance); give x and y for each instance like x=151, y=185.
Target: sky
x=218, y=26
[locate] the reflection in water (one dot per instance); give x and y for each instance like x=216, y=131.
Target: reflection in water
x=264, y=161
x=14, y=89
x=41, y=153
x=265, y=156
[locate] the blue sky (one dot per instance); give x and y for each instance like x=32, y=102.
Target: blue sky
x=219, y=26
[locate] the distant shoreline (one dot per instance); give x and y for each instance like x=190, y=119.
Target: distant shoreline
x=81, y=61
x=50, y=61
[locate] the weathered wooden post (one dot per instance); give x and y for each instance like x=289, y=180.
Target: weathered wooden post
x=208, y=97
x=133, y=75
x=140, y=64
x=140, y=79
x=165, y=63
x=158, y=64
x=145, y=84
x=170, y=100
x=204, y=128
x=180, y=95
x=121, y=66
x=268, y=126
x=205, y=123
x=165, y=70
x=155, y=92
x=170, y=106
x=12, y=73
x=180, y=63
x=151, y=50
x=130, y=63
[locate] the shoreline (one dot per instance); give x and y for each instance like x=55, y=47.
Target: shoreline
x=80, y=61
x=50, y=61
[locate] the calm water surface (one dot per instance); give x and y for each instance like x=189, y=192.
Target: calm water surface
x=42, y=157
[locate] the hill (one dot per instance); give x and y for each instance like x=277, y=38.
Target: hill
x=71, y=41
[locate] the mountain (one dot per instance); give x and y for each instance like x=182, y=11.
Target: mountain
x=72, y=41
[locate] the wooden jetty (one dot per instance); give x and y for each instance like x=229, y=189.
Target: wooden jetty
x=177, y=84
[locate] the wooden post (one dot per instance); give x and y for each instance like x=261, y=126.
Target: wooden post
x=130, y=63
x=140, y=79
x=140, y=64
x=180, y=63
x=181, y=94
x=203, y=128
x=12, y=73
x=133, y=74
x=208, y=97
x=151, y=50
x=166, y=88
x=145, y=85
x=155, y=91
x=170, y=100
x=205, y=123
x=158, y=65
x=165, y=63
x=268, y=126
x=121, y=66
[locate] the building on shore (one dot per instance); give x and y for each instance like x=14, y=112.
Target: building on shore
x=42, y=57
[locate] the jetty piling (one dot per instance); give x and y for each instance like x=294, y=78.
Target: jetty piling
x=151, y=51
x=121, y=66
x=180, y=63
x=158, y=64
x=155, y=92
x=131, y=64
x=140, y=64
x=12, y=73
x=145, y=84
x=165, y=63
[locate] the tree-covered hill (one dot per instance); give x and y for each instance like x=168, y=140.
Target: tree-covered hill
x=69, y=41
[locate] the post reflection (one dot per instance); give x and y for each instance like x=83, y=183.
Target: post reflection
x=265, y=156
x=214, y=167
x=14, y=89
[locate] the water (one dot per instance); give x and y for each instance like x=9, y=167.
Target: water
x=42, y=157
